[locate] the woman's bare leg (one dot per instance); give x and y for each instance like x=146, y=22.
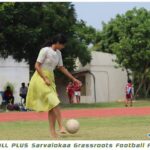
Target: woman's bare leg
x=52, y=122
x=57, y=113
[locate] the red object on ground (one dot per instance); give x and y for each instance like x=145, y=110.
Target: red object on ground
x=84, y=113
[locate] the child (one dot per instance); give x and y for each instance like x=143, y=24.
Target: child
x=70, y=91
x=129, y=93
x=77, y=93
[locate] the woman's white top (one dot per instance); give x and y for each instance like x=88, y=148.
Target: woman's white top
x=50, y=58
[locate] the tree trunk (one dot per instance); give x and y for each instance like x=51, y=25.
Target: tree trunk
x=147, y=91
x=139, y=86
x=144, y=90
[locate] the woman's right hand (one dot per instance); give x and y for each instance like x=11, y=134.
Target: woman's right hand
x=77, y=81
x=47, y=82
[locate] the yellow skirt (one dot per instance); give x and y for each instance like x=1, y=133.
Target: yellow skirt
x=41, y=97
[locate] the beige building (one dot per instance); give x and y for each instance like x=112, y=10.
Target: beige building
x=102, y=80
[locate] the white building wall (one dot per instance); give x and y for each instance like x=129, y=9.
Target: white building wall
x=118, y=80
x=102, y=86
x=14, y=73
x=89, y=98
x=110, y=81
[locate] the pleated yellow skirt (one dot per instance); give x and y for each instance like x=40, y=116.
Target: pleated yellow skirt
x=41, y=97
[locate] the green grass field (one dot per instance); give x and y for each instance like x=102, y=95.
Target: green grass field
x=114, y=128
x=137, y=103
x=110, y=128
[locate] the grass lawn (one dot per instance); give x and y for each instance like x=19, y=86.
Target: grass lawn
x=114, y=128
x=137, y=103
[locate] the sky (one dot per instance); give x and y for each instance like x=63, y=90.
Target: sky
x=93, y=13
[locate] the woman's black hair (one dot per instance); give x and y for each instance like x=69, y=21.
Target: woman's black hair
x=59, y=38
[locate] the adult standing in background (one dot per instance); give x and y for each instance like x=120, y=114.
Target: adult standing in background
x=23, y=92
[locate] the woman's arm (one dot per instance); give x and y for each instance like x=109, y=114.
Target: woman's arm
x=68, y=74
x=39, y=70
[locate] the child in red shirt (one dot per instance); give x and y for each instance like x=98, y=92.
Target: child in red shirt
x=77, y=92
x=129, y=93
x=70, y=91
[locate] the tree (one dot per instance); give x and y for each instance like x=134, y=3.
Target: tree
x=128, y=37
x=24, y=27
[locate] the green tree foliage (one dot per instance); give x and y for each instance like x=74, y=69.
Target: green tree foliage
x=128, y=36
x=24, y=27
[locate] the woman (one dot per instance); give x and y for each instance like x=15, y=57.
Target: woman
x=42, y=95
